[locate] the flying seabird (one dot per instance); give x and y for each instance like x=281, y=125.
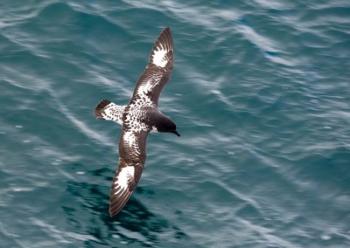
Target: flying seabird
x=139, y=117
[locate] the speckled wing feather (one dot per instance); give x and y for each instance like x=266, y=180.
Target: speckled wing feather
x=158, y=70
x=132, y=152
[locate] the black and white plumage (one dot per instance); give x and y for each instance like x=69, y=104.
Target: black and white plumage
x=138, y=118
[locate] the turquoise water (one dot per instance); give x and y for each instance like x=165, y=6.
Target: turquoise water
x=260, y=93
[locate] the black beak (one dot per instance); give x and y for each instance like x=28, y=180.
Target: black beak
x=175, y=132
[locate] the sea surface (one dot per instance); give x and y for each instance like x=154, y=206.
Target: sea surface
x=260, y=93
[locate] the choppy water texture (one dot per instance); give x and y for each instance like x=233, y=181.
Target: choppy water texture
x=260, y=93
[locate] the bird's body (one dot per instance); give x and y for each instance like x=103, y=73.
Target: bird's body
x=138, y=118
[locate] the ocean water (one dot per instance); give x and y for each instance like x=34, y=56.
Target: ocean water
x=260, y=93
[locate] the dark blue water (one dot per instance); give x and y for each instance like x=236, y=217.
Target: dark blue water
x=260, y=93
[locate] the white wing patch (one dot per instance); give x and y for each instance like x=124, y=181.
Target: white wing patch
x=159, y=57
x=144, y=88
x=125, y=174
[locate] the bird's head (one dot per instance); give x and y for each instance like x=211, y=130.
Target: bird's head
x=168, y=126
x=165, y=125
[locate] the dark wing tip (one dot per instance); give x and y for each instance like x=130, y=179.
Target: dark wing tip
x=99, y=108
x=118, y=202
x=166, y=32
x=166, y=39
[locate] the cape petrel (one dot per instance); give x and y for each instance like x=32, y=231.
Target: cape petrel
x=137, y=119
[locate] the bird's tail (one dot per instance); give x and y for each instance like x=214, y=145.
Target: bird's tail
x=110, y=111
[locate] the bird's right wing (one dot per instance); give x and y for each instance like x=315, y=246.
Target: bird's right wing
x=132, y=152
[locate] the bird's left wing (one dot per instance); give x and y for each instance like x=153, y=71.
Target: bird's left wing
x=132, y=154
x=158, y=70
